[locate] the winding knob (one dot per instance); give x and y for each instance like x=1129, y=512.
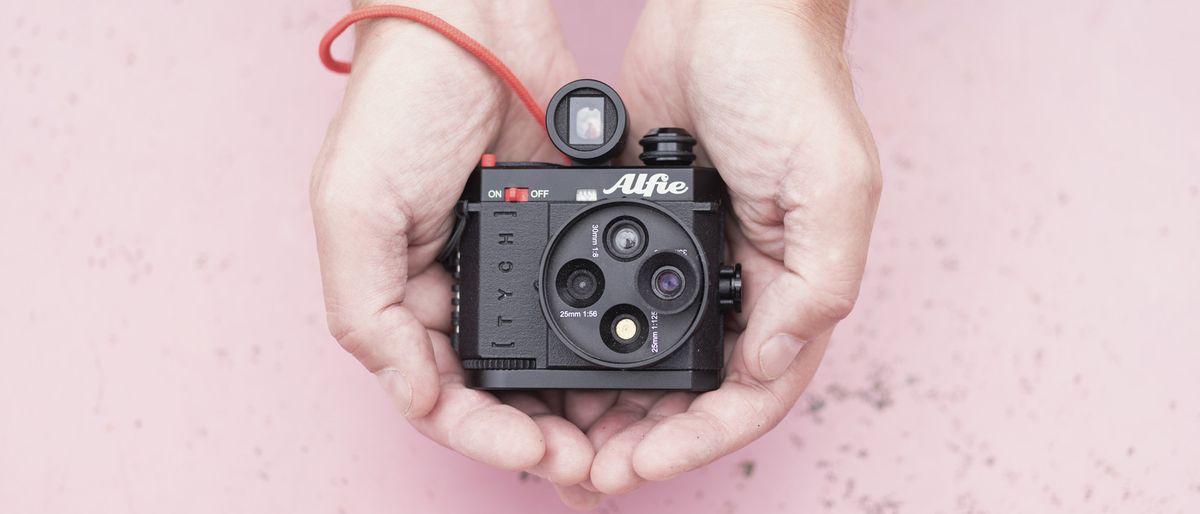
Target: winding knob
x=667, y=146
x=729, y=287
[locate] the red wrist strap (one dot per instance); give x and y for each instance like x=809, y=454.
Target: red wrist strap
x=454, y=35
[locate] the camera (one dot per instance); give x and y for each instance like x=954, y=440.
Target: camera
x=593, y=275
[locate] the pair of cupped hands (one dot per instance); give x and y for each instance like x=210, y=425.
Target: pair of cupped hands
x=764, y=87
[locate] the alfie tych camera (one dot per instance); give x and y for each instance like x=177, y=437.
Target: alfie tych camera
x=593, y=275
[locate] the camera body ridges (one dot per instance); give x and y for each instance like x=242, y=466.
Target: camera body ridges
x=518, y=218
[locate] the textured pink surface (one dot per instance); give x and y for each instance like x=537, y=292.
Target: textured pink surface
x=1027, y=340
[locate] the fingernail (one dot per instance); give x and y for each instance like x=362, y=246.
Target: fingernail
x=396, y=385
x=777, y=355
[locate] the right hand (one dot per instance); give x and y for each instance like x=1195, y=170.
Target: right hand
x=765, y=87
x=417, y=114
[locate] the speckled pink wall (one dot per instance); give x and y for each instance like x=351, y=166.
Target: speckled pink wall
x=1027, y=339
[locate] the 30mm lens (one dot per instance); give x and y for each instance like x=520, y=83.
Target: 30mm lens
x=625, y=239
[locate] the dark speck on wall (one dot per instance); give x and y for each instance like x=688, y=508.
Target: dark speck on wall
x=747, y=467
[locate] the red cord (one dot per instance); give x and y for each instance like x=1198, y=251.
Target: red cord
x=456, y=36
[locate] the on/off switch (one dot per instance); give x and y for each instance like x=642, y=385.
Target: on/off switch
x=516, y=194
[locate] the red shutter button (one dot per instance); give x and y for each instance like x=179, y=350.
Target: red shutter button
x=488, y=160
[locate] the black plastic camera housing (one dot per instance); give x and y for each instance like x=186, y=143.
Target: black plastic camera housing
x=593, y=276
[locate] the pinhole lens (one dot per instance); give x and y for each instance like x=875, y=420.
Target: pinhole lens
x=581, y=284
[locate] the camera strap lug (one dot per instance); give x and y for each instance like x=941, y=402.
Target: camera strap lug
x=448, y=257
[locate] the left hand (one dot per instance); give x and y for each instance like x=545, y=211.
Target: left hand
x=417, y=113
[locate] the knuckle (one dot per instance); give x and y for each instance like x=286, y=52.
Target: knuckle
x=319, y=194
x=322, y=196
x=860, y=174
x=347, y=333
x=341, y=191
x=844, y=170
x=873, y=177
x=341, y=179
x=833, y=305
x=326, y=192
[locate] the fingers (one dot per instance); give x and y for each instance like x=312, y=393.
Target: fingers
x=722, y=421
x=629, y=407
x=613, y=472
x=474, y=423
x=578, y=498
x=568, y=456
x=583, y=408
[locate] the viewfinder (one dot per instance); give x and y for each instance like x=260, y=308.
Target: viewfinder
x=586, y=121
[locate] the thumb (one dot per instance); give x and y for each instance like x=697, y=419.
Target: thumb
x=788, y=315
x=365, y=261
x=825, y=236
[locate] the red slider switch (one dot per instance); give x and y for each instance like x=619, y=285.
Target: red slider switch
x=516, y=194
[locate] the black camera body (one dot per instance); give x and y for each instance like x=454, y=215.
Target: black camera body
x=593, y=276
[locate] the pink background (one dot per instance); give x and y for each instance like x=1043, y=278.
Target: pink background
x=1027, y=339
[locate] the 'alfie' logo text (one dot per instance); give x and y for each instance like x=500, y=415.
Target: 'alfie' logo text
x=647, y=185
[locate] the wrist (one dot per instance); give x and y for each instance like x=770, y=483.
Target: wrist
x=416, y=59
x=824, y=19
x=465, y=15
x=521, y=33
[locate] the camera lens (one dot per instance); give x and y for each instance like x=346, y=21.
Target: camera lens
x=581, y=284
x=626, y=239
x=668, y=282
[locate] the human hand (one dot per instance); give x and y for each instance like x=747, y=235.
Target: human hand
x=417, y=113
x=764, y=87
